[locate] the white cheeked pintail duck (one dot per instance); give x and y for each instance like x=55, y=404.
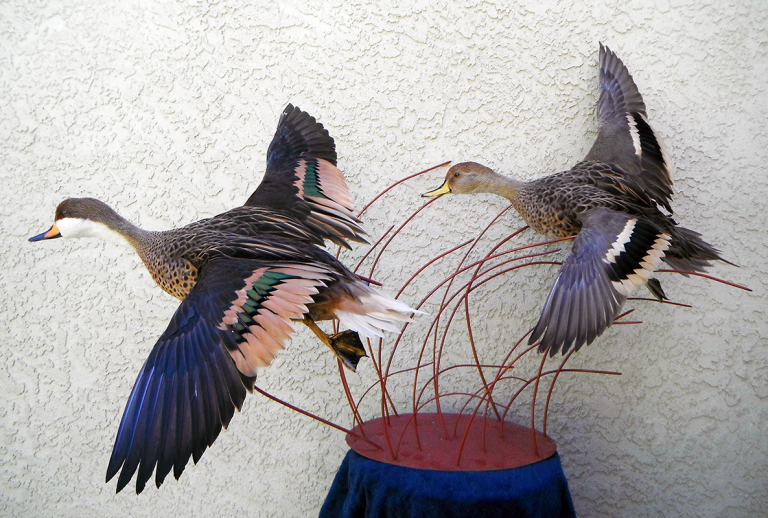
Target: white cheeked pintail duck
x=244, y=278
x=615, y=201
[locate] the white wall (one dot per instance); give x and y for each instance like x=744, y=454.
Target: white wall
x=164, y=110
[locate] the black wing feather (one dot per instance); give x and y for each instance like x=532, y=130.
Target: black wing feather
x=621, y=112
x=187, y=390
x=191, y=383
x=613, y=255
x=582, y=302
x=302, y=145
x=154, y=427
x=298, y=136
x=166, y=455
x=185, y=431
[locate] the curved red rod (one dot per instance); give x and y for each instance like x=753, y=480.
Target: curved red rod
x=460, y=291
x=372, y=248
x=551, y=388
x=350, y=400
x=711, y=278
x=438, y=354
x=385, y=191
x=547, y=373
x=533, y=404
x=313, y=416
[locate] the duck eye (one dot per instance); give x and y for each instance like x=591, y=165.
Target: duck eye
x=456, y=174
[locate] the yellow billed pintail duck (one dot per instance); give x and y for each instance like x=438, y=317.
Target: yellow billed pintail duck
x=244, y=278
x=614, y=200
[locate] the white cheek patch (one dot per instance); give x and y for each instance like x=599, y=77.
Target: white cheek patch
x=76, y=227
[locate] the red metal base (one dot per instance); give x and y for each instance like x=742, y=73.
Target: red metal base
x=453, y=444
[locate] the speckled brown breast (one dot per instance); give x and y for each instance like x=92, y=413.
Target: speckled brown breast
x=548, y=210
x=174, y=256
x=176, y=277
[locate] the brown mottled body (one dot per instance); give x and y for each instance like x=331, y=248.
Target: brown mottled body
x=176, y=277
x=174, y=257
x=545, y=209
x=172, y=260
x=552, y=205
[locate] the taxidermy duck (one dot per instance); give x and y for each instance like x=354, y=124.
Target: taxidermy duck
x=245, y=277
x=615, y=201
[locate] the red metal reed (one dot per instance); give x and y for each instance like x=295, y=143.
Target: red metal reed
x=313, y=416
x=479, y=273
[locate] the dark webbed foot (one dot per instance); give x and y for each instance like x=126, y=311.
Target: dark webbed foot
x=654, y=286
x=349, y=348
x=346, y=345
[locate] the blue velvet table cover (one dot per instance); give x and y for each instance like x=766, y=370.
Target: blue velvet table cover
x=372, y=489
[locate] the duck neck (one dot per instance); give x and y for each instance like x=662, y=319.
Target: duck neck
x=503, y=186
x=109, y=226
x=133, y=235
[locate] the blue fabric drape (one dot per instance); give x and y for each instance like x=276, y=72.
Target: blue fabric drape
x=371, y=489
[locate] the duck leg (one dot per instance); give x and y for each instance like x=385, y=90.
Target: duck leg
x=346, y=345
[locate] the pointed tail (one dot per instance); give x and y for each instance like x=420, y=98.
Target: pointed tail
x=370, y=312
x=690, y=253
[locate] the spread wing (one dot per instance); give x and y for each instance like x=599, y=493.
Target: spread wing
x=303, y=180
x=625, y=138
x=259, y=223
x=613, y=255
x=234, y=321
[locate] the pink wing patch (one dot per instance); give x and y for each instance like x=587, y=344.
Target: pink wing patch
x=333, y=184
x=261, y=316
x=329, y=182
x=321, y=185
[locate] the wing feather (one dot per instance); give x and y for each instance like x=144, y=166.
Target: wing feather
x=613, y=255
x=202, y=366
x=302, y=179
x=625, y=138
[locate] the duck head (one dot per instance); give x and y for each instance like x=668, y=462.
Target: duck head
x=465, y=178
x=86, y=217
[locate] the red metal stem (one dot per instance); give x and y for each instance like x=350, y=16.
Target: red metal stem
x=533, y=403
x=697, y=274
x=551, y=388
x=371, y=249
x=385, y=191
x=313, y=416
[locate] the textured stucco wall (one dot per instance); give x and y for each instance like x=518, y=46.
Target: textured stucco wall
x=165, y=110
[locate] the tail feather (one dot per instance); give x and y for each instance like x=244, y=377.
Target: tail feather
x=364, y=324
x=370, y=312
x=690, y=253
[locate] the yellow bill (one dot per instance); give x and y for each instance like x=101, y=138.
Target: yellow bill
x=443, y=189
